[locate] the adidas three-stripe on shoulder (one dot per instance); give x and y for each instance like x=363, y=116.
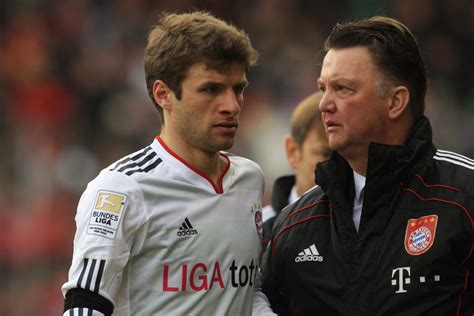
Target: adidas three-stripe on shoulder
x=454, y=158
x=142, y=161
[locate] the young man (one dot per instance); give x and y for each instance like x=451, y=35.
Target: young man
x=305, y=146
x=389, y=229
x=173, y=229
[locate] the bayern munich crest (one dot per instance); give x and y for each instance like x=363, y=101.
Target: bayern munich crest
x=420, y=234
x=257, y=210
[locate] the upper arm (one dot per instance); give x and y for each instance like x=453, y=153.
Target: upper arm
x=109, y=220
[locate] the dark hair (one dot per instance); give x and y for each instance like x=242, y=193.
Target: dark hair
x=394, y=50
x=181, y=40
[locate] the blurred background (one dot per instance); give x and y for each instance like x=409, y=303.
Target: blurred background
x=73, y=100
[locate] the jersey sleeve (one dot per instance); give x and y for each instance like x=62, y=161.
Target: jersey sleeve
x=261, y=304
x=110, y=226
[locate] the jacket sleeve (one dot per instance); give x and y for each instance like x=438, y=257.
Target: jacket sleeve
x=110, y=219
x=270, y=288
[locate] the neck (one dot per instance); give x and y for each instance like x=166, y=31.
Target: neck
x=396, y=134
x=359, y=165
x=210, y=164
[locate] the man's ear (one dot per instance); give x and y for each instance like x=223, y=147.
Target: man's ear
x=291, y=151
x=163, y=94
x=400, y=97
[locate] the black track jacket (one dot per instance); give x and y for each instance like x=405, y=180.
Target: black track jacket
x=413, y=254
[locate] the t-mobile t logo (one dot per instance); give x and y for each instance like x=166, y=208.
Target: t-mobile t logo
x=403, y=278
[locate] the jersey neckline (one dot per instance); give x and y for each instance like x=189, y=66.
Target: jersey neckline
x=218, y=187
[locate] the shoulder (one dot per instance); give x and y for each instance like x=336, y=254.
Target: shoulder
x=138, y=163
x=456, y=170
x=291, y=225
x=313, y=204
x=242, y=162
x=244, y=166
x=111, y=208
x=124, y=174
x=122, y=178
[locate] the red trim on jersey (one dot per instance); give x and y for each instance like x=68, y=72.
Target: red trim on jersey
x=291, y=226
x=219, y=189
x=436, y=185
x=449, y=202
x=306, y=207
x=221, y=178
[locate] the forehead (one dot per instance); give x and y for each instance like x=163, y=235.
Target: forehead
x=205, y=72
x=348, y=63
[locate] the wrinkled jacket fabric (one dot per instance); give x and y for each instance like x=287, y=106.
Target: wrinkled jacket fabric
x=413, y=254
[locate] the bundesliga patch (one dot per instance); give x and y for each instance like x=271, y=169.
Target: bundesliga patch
x=106, y=214
x=420, y=234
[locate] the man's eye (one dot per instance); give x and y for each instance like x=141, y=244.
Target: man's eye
x=211, y=89
x=342, y=88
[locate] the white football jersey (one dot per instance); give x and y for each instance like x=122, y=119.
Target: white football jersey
x=156, y=237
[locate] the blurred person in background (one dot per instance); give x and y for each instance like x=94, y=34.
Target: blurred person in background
x=173, y=229
x=391, y=222
x=305, y=146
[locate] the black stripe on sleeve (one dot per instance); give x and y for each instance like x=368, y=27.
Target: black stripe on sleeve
x=142, y=153
x=84, y=268
x=90, y=275
x=148, y=168
x=79, y=298
x=99, y=276
x=153, y=165
x=138, y=164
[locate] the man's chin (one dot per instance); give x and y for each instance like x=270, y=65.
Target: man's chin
x=336, y=146
x=224, y=142
x=227, y=145
x=220, y=145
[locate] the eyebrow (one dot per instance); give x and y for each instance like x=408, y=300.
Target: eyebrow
x=240, y=83
x=337, y=80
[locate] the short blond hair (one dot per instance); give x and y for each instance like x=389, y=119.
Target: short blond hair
x=305, y=116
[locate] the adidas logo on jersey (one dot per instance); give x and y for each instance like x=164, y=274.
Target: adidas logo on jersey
x=309, y=254
x=186, y=229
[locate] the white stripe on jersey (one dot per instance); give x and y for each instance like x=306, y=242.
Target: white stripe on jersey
x=82, y=311
x=454, y=158
x=91, y=275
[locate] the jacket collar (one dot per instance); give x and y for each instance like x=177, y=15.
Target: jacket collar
x=388, y=165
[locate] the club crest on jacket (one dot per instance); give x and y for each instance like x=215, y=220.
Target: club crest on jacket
x=420, y=234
